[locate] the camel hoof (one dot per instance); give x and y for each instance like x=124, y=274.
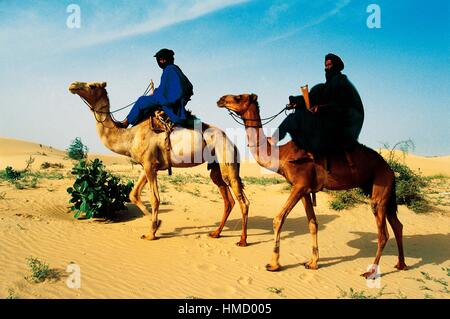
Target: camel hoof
x=270, y=267
x=149, y=237
x=311, y=265
x=214, y=234
x=369, y=274
x=401, y=266
x=242, y=243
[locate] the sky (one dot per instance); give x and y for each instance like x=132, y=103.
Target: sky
x=270, y=48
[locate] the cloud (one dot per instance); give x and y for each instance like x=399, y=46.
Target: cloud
x=339, y=6
x=173, y=13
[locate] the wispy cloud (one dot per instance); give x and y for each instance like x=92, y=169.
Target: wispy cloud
x=339, y=6
x=173, y=13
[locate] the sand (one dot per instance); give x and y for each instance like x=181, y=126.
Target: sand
x=185, y=262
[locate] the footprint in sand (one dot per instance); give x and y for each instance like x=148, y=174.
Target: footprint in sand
x=225, y=290
x=207, y=267
x=307, y=277
x=245, y=280
x=225, y=253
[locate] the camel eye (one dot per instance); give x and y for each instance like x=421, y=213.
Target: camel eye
x=237, y=98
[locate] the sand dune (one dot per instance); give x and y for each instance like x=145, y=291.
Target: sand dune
x=185, y=262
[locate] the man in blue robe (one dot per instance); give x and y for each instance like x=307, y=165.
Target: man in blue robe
x=172, y=95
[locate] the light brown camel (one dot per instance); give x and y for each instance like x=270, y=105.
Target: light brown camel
x=363, y=168
x=188, y=148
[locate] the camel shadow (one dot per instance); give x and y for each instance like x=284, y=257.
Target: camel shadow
x=421, y=247
x=131, y=213
x=292, y=227
x=430, y=248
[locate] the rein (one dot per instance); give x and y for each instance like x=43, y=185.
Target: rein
x=264, y=121
x=110, y=113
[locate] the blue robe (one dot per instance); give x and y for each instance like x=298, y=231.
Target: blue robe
x=171, y=96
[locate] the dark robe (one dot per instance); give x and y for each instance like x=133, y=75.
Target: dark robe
x=337, y=123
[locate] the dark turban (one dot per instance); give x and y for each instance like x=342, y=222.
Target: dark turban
x=338, y=65
x=164, y=53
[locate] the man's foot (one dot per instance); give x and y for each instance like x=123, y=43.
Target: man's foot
x=123, y=124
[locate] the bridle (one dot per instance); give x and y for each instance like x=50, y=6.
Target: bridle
x=264, y=121
x=110, y=113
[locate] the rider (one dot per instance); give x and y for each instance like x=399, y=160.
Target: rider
x=335, y=120
x=172, y=95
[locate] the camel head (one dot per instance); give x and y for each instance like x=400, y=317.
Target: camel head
x=238, y=103
x=92, y=92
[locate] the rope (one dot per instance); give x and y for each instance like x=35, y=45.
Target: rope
x=264, y=121
x=150, y=87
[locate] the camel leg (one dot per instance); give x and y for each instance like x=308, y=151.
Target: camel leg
x=135, y=194
x=236, y=186
x=313, y=227
x=228, y=200
x=294, y=197
x=379, y=209
x=151, y=173
x=397, y=227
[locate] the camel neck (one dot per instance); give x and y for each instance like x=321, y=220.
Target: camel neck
x=259, y=146
x=114, y=138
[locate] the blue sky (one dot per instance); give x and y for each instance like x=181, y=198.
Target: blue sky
x=226, y=47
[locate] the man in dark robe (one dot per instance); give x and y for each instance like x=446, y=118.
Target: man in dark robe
x=172, y=95
x=334, y=121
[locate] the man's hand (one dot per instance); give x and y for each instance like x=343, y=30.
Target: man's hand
x=314, y=109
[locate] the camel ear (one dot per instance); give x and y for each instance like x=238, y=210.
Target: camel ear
x=253, y=97
x=103, y=84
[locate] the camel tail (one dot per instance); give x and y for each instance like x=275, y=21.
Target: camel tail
x=392, y=203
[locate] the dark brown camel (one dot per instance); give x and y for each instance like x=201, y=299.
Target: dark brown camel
x=363, y=167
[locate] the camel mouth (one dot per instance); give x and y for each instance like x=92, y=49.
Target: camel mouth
x=75, y=87
x=221, y=103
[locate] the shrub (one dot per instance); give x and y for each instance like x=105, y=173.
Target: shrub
x=40, y=271
x=11, y=174
x=77, y=150
x=346, y=199
x=96, y=192
x=409, y=184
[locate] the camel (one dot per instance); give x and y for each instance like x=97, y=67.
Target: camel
x=189, y=147
x=362, y=167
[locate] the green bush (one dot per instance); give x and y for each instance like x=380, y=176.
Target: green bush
x=11, y=174
x=96, y=192
x=409, y=187
x=346, y=199
x=77, y=150
x=40, y=271
x=409, y=184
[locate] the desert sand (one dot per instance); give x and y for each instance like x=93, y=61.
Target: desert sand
x=185, y=263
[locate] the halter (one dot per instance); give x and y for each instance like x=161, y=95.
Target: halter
x=266, y=120
x=110, y=113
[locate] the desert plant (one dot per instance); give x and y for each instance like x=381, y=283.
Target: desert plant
x=46, y=165
x=355, y=294
x=10, y=174
x=346, y=199
x=409, y=184
x=12, y=294
x=40, y=271
x=96, y=192
x=77, y=150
